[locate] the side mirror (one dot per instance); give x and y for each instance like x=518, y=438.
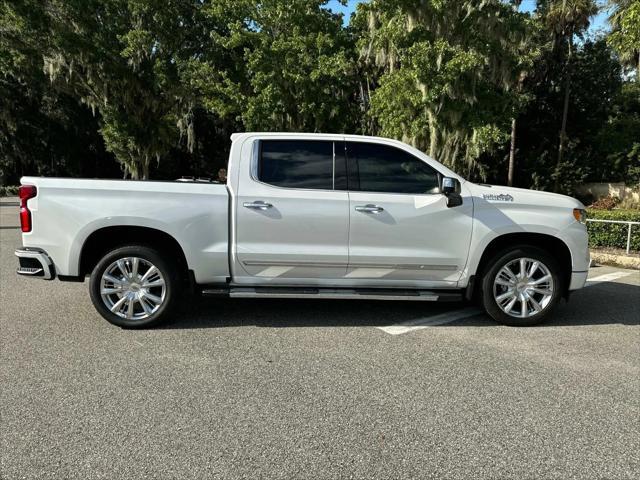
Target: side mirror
x=451, y=189
x=450, y=185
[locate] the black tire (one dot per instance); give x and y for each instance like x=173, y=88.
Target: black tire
x=167, y=269
x=503, y=258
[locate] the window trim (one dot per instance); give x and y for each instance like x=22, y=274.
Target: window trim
x=256, y=154
x=333, y=166
x=353, y=170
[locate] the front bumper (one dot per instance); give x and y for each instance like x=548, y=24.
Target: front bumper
x=578, y=280
x=34, y=262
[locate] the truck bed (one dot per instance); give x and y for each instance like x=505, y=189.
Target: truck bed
x=67, y=211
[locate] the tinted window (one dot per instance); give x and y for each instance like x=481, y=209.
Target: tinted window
x=296, y=164
x=381, y=168
x=341, y=166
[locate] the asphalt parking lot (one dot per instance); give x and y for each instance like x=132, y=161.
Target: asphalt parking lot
x=310, y=389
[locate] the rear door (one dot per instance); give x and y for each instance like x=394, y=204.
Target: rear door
x=292, y=213
x=401, y=231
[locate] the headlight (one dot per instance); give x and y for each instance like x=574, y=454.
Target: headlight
x=580, y=215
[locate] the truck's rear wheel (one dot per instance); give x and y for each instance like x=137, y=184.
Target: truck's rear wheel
x=521, y=286
x=134, y=287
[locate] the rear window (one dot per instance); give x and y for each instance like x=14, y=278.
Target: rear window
x=296, y=164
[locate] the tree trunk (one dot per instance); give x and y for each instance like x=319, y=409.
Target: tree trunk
x=512, y=153
x=145, y=169
x=433, y=136
x=371, y=126
x=565, y=111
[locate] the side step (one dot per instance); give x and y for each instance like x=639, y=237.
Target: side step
x=336, y=293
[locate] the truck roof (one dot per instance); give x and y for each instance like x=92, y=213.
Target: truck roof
x=235, y=136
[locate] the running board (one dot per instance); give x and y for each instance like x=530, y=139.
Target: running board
x=336, y=293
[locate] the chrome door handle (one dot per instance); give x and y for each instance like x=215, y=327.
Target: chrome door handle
x=369, y=208
x=258, y=205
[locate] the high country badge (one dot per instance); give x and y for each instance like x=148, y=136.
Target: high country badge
x=502, y=197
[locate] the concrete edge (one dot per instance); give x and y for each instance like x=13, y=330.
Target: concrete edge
x=10, y=201
x=614, y=260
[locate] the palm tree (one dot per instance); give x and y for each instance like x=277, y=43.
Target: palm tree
x=566, y=19
x=625, y=32
x=527, y=52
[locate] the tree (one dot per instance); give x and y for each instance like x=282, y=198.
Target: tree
x=42, y=131
x=618, y=138
x=566, y=19
x=123, y=58
x=625, y=32
x=595, y=105
x=527, y=53
x=150, y=79
x=292, y=66
x=447, y=68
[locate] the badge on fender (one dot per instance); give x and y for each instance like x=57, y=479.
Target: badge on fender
x=502, y=197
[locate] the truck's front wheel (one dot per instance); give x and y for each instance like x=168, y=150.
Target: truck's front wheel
x=521, y=286
x=133, y=287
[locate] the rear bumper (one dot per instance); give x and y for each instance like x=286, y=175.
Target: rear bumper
x=34, y=262
x=578, y=280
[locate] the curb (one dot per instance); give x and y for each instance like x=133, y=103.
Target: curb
x=623, y=261
x=9, y=202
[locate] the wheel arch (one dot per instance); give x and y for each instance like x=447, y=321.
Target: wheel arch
x=552, y=245
x=104, y=239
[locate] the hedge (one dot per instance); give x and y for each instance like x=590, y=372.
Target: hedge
x=8, y=191
x=611, y=234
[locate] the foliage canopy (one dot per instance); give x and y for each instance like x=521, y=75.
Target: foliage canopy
x=159, y=86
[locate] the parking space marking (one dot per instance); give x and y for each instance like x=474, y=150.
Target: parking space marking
x=425, y=322
x=608, y=277
x=449, y=317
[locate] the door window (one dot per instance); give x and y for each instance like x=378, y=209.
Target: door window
x=385, y=169
x=305, y=164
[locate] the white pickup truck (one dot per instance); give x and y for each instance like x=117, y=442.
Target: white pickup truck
x=307, y=216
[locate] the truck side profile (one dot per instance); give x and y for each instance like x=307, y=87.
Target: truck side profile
x=307, y=216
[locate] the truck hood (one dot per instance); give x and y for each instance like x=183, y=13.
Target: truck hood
x=497, y=195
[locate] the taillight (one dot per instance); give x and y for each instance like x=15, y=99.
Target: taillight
x=25, y=192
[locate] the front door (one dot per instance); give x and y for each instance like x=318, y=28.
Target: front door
x=292, y=214
x=402, y=232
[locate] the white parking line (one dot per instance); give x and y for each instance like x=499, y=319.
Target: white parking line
x=608, y=277
x=425, y=322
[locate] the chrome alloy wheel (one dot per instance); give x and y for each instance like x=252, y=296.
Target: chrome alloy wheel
x=132, y=288
x=523, y=287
